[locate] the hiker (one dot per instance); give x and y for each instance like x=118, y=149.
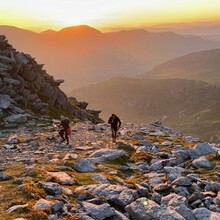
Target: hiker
x=65, y=130
x=115, y=125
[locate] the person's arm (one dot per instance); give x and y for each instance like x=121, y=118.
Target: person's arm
x=110, y=120
x=119, y=123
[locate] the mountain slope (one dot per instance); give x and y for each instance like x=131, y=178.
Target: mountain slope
x=191, y=106
x=204, y=65
x=154, y=48
x=82, y=55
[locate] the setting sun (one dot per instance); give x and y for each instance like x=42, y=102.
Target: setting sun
x=41, y=14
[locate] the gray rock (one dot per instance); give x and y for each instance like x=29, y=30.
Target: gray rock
x=204, y=149
x=119, y=216
x=202, y=213
x=143, y=191
x=181, y=190
x=62, y=178
x=17, y=207
x=212, y=186
x=193, y=153
x=166, y=143
x=4, y=177
x=156, y=197
x=52, y=217
x=11, y=81
x=179, y=204
x=5, y=101
x=67, y=191
x=18, y=181
x=162, y=187
x=173, y=172
x=157, y=134
x=52, y=188
x=21, y=58
x=98, y=212
x=70, y=157
x=145, y=143
x=154, y=178
x=117, y=194
x=106, y=154
x=180, y=154
x=100, y=178
x=148, y=210
x=182, y=181
x=57, y=206
x=157, y=165
x=18, y=119
x=201, y=162
x=43, y=204
x=84, y=165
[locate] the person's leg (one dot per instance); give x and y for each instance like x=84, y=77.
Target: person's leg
x=67, y=138
x=114, y=130
x=113, y=134
x=61, y=133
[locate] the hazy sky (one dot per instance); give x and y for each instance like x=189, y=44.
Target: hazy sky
x=55, y=14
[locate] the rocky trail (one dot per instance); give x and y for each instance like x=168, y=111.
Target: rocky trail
x=151, y=172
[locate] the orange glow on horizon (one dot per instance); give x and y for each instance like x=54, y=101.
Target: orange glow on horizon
x=101, y=14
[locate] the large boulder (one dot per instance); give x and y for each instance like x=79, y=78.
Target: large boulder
x=61, y=177
x=201, y=162
x=84, y=166
x=18, y=118
x=106, y=154
x=146, y=209
x=5, y=101
x=98, y=212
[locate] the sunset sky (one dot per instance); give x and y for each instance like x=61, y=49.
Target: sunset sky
x=39, y=15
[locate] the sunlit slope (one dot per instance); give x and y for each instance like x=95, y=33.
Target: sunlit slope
x=204, y=65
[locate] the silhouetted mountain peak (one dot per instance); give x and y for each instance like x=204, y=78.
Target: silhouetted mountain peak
x=79, y=30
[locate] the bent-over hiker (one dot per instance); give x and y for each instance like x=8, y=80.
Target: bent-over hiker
x=115, y=125
x=65, y=130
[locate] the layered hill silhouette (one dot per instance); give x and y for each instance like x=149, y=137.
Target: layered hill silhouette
x=202, y=65
x=154, y=48
x=82, y=55
x=189, y=105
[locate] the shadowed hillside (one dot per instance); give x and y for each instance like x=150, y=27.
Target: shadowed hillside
x=202, y=65
x=82, y=55
x=191, y=106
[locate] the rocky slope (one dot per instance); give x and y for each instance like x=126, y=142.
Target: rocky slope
x=187, y=105
x=152, y=172
x=27, y=92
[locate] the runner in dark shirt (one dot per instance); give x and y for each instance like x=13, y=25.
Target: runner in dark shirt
x=65, y=130
x=115, y=125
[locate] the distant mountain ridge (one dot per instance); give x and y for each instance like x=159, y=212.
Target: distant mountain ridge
x=203, y=65
x=189, y=105
x=82, y=55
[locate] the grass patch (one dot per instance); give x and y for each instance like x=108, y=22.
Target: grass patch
x=14, y=170
x=84, y=179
